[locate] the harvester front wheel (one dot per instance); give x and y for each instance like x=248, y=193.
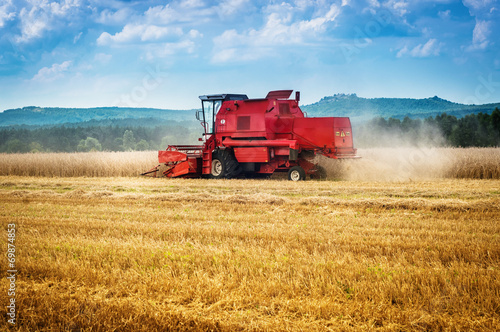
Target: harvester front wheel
x=224, y=165
x=217, y=168
x=296, y=173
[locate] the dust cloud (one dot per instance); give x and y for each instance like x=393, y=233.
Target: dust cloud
x=391, y=164
x=393, y=153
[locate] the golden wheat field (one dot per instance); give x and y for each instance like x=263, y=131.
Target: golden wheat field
x=411, y=251
x=377, y=164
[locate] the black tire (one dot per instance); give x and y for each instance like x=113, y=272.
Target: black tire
x=224, y=165
x=296, y=173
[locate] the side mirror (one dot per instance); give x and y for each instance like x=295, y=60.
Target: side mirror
x=199, y=115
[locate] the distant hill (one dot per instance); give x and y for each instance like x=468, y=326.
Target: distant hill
x=52, y=116
x=358, y=109
x=364, y=108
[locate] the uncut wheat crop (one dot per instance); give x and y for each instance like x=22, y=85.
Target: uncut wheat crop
x=90, y=164
x=378, y=164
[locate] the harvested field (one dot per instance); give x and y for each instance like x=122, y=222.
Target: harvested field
x=141, y=254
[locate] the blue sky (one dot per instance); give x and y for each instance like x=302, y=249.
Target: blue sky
x=87, y=53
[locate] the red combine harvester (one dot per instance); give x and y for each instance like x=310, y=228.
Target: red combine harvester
x=257, y=137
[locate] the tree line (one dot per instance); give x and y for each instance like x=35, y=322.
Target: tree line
x=101, y=138
x=480, y=130
x=473, y=130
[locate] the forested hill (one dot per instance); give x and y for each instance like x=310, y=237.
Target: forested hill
x=376, y=122
x=358, y=109
x=49, y=116
x=355, y=107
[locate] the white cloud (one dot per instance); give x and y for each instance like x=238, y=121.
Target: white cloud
x=48, y=74
x=168, y=49
x=398, y=7
x=135, y=33
x=487, y=21
x=176, y=12
x=42, y=17
x=445, y=15
x=280, y=29
x=195, y=34
x=61, y=9
x=486, y=15
x=103, y=58
x=33, y=23
x=478, y=4
x=402, y=52
x=161, y=14
x=192, y=3
x=158, y=31
x=480, y=35
x=118, y=17
x=6, y=12
x=77, y=37
x=431, y=48
x=231, y=7
x=372, y=8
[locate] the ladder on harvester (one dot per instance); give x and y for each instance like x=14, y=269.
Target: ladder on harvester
x=207, y=156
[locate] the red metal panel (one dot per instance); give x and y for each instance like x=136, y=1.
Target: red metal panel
x=180, y=169
x=252, y=154
x=279, y=94
x=241, y=119
x=171, y=156
x=292, y=144
x=314, y=132
x=343, y=133
x=243, y=123
x=281, y=151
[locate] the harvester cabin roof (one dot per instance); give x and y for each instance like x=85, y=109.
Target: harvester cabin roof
x=277, y=94
x=224, y=97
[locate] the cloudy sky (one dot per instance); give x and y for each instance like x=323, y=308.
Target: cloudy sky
x=151, y=53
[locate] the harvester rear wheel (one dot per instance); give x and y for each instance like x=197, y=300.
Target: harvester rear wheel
x=296, y=173
x=224, y=165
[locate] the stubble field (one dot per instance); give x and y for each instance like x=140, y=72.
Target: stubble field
x=142, y=254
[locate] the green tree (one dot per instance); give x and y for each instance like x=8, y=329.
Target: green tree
x=36, y=147
x=168, y=140
x=495, y=119
x=128, y=140
x=142, y=145
x=89, y=144
x=16, y=145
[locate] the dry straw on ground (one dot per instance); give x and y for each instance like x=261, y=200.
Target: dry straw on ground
x=141, y=254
